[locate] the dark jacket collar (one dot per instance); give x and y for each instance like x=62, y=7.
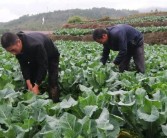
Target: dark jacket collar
x=22, y=37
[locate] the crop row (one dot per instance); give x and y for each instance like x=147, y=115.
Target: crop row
x=80, y=32
x=96, y=100
x=129, y=20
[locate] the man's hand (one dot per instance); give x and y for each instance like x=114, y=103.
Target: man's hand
x=29, y=85
x=115, y=64
x=35, y=89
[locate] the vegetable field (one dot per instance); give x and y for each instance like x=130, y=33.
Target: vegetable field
x=152, y=25
x=96, y=101
x=80, y=32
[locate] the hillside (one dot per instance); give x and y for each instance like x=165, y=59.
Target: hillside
x=56, y=19
x=152, y=25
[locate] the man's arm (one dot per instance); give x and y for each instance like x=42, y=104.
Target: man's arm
x=42, y=64
x=105, y=54
x=24, y=67
x=25, y=70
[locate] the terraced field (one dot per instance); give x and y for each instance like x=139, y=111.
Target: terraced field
x=153, y=26
x=96, y=100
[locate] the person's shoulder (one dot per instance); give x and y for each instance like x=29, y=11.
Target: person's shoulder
x=37, y=36
x=35, y=33
x=116, y=30
x=20, y=33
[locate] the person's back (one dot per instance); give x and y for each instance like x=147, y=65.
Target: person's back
x=37, y=55
x=128, y=35
x=125, y=39
x=32, y=40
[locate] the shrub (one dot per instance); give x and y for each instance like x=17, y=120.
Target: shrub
x=75, y=19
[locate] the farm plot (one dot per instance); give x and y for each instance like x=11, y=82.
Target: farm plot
x=80, y=32
x=152, y=25
x=96, y=100
x=152, y=34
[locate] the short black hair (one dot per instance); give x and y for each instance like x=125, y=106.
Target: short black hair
x=8, y=39
x=98, y=33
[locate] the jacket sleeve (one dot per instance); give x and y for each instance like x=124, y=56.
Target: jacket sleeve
x=105, y=54
x=42, y=64
x=122, y=45
x=24, y=67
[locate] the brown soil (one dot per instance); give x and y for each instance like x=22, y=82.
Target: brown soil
x=102, y=25
x=150, y=38
x=156, y=38
x=105, y=23
x=65, y=37
x=43, y=32
x=145, y=24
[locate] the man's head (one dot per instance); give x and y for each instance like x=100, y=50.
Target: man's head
x=100, y=36
x=11, y=43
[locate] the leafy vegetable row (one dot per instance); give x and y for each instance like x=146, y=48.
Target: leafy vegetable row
x=97, y=100
x=80, y=32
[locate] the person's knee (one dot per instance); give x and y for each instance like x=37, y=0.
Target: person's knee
x=122, y=68
x=141, y=69
x=54, y=94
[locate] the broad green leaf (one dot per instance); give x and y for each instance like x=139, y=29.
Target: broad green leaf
x=117, y=92
x=85, y=89
x=114, y=76
x=37, y=109
x=49, y=134
x=101, y=77
x=68, y=103
x=126, y=104
x=103, y=121
x=24, y=129
x=20, y=113
x=5, y=114
x=151, y=102
x=164, y=129
x=28, y=97
x=70, y=126
x=52, y=123
x=6, y=92
x=90, y=109
x=103, y=100
x=140, y=95
x=10, y=133
x=86, y=125
x=89, y=100
x=153, y=116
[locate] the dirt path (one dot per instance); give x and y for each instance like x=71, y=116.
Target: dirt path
x=43, y=32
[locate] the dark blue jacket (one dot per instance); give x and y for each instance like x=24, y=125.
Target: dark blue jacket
x=39, y=50
x=122, y=37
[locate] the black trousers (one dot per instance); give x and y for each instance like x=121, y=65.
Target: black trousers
x=138, y=57
x=53, y=90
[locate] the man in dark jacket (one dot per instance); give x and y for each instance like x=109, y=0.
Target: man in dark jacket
x=125, y=39
x=36, y=54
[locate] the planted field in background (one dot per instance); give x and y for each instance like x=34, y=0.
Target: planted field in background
x=73, y=31
x=131, y=19
x=96, y=100
x=139, y=20
x=80, y=32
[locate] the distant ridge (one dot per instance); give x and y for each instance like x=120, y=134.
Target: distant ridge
x=152, y=9
x=56, y=19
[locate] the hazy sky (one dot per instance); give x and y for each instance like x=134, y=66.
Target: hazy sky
x=13, y=9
